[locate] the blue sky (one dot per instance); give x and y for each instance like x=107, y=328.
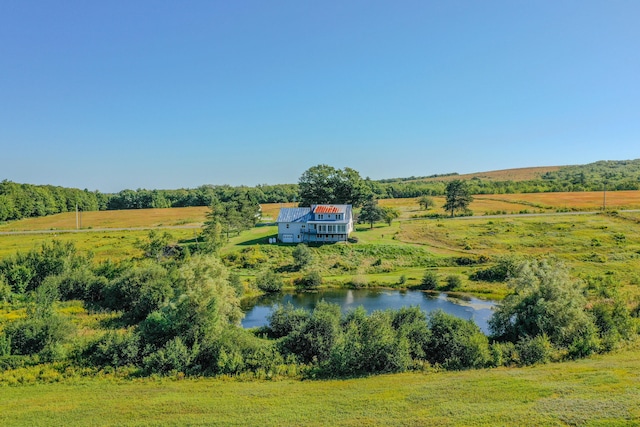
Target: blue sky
x=164, y=94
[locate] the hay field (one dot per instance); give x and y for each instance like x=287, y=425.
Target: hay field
x=132, y=218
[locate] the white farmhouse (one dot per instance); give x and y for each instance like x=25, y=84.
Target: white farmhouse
x=319, y=223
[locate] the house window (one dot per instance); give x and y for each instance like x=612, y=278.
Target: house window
x=287, y=225
x=320, y=216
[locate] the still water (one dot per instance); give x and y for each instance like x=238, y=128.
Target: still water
x=257, y=310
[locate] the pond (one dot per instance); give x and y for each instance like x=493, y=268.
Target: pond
x=258, y=309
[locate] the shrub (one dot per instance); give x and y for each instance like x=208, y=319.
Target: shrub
x=429, y=281
x=35, y=334
x=302, y=256
x=114, y=349
x=359, y=281
x=236, y=351
x=5, y=345
x=269, y=282
x=453, y=282
x=5, y=290
x=369, y=344
x=612, y=319
x=534, y=350
x=315, y=339
x=140, y=290
x=285, y=319
x=504, y=354
x=411, y=324
x=545, y=301
x=456, y=343
x=175, y=356
x=309, y=282
x=236, y=283
x=505, y=268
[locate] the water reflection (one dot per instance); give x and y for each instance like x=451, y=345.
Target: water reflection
x=257, y=310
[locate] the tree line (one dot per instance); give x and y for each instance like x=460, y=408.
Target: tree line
x=319, y=184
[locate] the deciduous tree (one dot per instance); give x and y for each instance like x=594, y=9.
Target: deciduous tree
x=371, y=212
x=323, y=184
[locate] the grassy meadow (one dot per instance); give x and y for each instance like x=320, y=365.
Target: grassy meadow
x=599, y=391
x=592, y=245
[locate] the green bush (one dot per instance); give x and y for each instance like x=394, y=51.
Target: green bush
x=236, y=283
x=546, y=301
x=285, y=319
x=309, y=282
x=452, y=282
x=456, y=343
x=35, y=334
x=175, y=356
x=429, y=281
x=5, y=345
x=302, y=256
x=314, y=340
x=534, y=350
x=269, y=282
x=505, y=268
x=114, y=349
x=613, y=320
x=5, y=290
x=504, y=354
x=140, y=290
x=369, y=344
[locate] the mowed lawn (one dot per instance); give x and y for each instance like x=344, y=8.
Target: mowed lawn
x=603, y=390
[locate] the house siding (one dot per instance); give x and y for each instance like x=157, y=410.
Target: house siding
x=320, y=223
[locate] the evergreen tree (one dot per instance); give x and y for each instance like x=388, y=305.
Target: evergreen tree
x=458, y=196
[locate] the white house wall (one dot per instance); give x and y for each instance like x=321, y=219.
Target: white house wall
x=293, y=228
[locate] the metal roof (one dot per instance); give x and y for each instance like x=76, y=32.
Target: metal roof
x=326, y=209
x=294, y=215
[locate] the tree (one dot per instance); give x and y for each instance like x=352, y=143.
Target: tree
x=458, y=196
x=240, y=213
x=426, y=202
x=302, y=256
x=371, y=212
x=156, y=245
x=546, y=302
x=389, y=214
x=323, y=184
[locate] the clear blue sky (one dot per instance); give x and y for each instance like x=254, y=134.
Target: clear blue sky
x=110, y=95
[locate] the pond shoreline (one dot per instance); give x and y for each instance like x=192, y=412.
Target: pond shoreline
x=258, y=309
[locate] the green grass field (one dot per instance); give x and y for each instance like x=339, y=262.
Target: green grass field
x=600, y=391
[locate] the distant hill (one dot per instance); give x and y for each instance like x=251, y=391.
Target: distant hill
x=516, y=174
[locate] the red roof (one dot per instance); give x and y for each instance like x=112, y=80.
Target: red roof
x=326, y=209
